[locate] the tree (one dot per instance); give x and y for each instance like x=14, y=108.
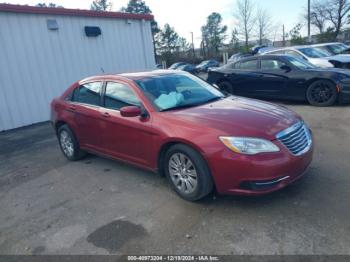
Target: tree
x=140, y=7
x=136, y=7
x=168, y=40
x=337, y=12
x=213, y=33
x=183, y=45
x=326, y=36
x=263, y=20
x=50, y=5
x=318, y=16
x=101, y=5
x=245, y=16
x=295, y=36
x=234, y=42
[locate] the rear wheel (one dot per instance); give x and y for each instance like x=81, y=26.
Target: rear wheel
x=188, y=172
x=322, y=93
x=69, y=144
x=226, y=87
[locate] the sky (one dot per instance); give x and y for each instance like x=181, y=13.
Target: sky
x=188, y=16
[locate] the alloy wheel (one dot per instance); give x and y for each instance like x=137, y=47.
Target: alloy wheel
x=322, y=92
x=66, y=143
x=183, y=173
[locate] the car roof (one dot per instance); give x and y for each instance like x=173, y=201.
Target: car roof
x=261, y=57
x=286, y=47
x=332, y=43
x=133, y=76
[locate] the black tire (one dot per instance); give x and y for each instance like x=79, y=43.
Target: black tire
x=226, y=86
x=76, y=153
x=322, y=93
x=203, y=183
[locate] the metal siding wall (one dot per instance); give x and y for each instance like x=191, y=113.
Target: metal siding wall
x=37, y=64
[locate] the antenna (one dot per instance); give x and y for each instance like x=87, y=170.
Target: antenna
x=103, y=71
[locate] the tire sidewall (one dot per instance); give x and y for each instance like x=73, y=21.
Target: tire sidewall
x=76, y=154
x=203, y=174
x=329, y=102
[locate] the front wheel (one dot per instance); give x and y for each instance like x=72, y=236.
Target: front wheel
x=188, y=173
x=322, y=93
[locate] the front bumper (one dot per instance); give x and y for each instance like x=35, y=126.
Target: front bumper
x=344, y=94
x=236, y=174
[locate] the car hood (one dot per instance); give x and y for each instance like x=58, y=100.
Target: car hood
x=340, y=58
x=236, y=116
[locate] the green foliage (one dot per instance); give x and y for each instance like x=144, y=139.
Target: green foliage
x=101, y=5
x=295, y=36
x=137, y=7
x=170, y=46
x=234, y=42
x=140, y=7
x=50, y=5
x=168, y=40
x=213, y=33
x=326, y=36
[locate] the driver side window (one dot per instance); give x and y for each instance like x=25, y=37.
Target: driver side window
x=118, y=95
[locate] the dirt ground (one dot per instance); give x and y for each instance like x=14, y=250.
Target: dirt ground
x=98, y=206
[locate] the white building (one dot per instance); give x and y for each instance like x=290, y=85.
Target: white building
x=44, y=50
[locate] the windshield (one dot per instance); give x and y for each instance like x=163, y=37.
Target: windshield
x=204, y=63
x=176, y=65
x=300, y=63
x=337, y=49
x=314, y=52
x=174, y=91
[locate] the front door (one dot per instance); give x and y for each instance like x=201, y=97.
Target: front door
x=127, y=138
x=274, y=80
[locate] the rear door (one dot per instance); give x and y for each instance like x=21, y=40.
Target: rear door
x=85, y=105
x=246, y=77
x=274, y=81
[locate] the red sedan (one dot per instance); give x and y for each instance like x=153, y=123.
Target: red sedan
x=178, y=125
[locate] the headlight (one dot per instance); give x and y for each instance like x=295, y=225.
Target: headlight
x=249, y=146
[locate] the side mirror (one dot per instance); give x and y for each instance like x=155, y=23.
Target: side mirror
x=130, y=111
x=286, y=68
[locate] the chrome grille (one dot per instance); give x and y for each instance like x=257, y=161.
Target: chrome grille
x=296, y=138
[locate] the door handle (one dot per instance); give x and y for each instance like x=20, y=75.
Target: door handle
x=106, y=114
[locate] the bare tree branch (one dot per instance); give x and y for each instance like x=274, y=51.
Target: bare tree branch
x=245, y=16
x=336, y=12
x=263, y=20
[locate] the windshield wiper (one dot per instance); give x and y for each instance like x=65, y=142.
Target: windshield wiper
x=213, y=100
x=178, y=107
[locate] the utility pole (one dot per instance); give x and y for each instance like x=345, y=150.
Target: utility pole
x=194, y=54
x=284, y=37
x=309, y=20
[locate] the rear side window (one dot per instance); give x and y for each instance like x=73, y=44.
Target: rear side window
x=119, y=95
x=247, y=65
x=88, y=94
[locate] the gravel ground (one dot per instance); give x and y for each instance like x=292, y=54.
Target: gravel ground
x=99, y=206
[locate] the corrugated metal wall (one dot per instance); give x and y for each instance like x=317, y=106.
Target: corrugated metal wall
x=37, y=64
